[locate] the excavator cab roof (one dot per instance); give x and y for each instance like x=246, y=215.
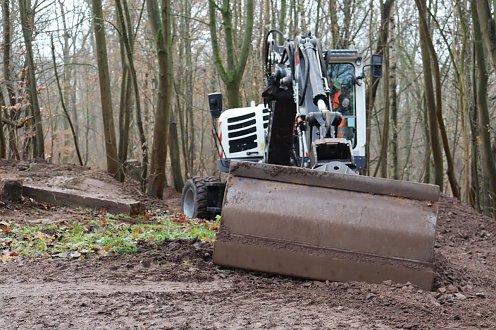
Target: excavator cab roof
x=339, y=55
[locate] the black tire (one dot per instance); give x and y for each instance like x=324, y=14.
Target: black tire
x=194, y=198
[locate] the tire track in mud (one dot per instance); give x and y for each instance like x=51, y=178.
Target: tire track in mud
x=41, y=289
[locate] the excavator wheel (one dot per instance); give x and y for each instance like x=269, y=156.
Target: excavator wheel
x=194, y=198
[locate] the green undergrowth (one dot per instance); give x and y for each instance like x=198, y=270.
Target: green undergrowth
x=107, y=235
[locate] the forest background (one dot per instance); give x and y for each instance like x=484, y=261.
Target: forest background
x=129, y=79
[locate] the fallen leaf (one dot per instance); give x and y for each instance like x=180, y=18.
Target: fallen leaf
x=207, y=240
x=103, y=221
x=5, y=228
x=147, y=215
x=180, y=219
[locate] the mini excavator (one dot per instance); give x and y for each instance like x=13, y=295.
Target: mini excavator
x=296, y=201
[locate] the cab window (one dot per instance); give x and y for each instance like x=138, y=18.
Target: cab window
x=342, y=97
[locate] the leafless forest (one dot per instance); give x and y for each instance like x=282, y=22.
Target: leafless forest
x=129, y=80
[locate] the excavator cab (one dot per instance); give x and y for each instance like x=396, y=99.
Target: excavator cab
x=347, y=94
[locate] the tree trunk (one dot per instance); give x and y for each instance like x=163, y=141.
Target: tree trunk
x=393, y=94
x=488, y=165
x=384, y=50
x=124, y=113
x=474, y=129
x=382, y=164
x=317, y=18
x=232, y=93
x=124, y=99
x=431, y=101
x=428, y=150
x=487, y=27
x=183, y=125
x=426, y=41
x=161, y=27
x=175, y=156
x=334, y=24
x=128, y=41
x=186, y=86
x=381, y=45
x=3, y=151
x=66, y=89
x=27, y=20
x=458, y=59
x=9, y=98
x=282, y=18
x=292, y=18
x=105, y=90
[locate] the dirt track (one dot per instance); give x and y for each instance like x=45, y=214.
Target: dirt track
x=175, y=286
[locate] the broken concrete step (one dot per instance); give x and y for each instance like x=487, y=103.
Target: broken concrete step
x=13, y=189
x=10, y=190
x=67, y=197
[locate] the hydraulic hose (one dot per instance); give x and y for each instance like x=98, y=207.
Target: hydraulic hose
x=266, y=50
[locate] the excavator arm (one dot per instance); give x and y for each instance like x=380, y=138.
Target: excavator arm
x=297, y=91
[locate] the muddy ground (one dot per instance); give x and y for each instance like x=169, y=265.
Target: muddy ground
x=176, y=286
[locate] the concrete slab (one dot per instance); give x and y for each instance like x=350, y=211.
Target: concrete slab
x=12, y=190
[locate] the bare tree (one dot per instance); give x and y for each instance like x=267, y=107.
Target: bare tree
x=393, y=93
x=128, y=44
x=382, y=45
x=26, y=14
x=160, y=22
x=3, y=148
x=232, y=73
x=434, y=103
x=66, y=112
x=431, y=102
x=488, y=165
x=105, y=89
x=9, y=97
x=175, y=155
x=184, y=87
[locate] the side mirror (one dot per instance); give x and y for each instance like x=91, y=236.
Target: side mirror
x=376, y=65
x=215, y=102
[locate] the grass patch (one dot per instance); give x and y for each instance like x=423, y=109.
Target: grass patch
x=100, y=236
